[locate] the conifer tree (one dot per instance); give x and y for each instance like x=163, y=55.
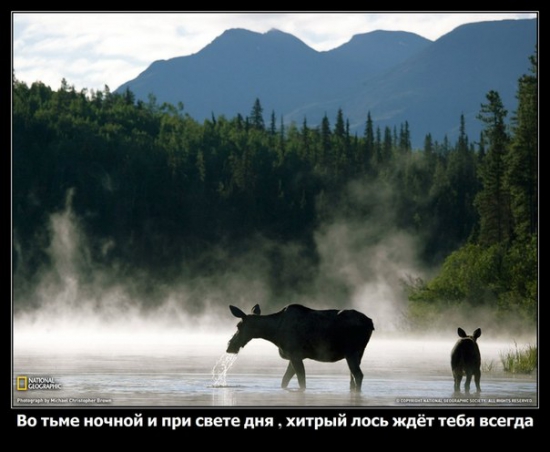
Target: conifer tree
x=522, y=159
x=368, y=156
x=493, y=201
x=256, y=116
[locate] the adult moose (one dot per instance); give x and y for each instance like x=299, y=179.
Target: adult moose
x=300, y=332
x=466, y=360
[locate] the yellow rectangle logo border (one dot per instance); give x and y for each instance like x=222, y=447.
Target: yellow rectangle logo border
x=22, y=383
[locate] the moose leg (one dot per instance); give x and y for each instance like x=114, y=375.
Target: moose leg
x=477, y=378
x=356, y=379
x=290, y=372
x=300, y=370
x=467, y=382
x=458, y=378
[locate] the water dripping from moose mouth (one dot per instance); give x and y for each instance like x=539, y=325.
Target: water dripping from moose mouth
x=220, y=369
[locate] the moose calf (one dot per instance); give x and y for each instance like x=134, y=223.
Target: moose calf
x=466, y=360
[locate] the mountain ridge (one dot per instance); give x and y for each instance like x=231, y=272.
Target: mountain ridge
x=396, y=76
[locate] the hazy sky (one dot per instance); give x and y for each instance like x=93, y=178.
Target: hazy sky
x=91, y=50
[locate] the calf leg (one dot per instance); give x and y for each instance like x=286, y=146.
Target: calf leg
x=458, y=378
x=477, y=378
x=290, y=372
x=467, y=382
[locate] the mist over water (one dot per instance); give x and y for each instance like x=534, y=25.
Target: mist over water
x=79, y=318
x=359, y=265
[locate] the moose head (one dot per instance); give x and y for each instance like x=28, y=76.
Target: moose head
x=245, y=328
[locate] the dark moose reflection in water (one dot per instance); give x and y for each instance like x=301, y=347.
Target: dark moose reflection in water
x=178, y=370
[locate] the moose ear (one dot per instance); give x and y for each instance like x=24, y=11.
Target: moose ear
x=256, y=310
x=237, y=312
x=461, y=332
x=477, y=333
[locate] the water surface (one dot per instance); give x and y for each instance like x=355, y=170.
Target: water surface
x=178, y=370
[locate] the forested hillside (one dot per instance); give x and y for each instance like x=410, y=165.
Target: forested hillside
x=498, y=266
x=155, y=191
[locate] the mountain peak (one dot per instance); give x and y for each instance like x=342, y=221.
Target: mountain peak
x=274, y=31
x=383, y=48
x=380, y=38
x=240, y=39
x=236, y=33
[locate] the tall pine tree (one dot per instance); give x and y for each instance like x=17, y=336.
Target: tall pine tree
x=522, y=160
x=493, y=201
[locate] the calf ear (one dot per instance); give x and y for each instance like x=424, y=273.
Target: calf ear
x=256, y=310
x=477, y=333
x=237, y=312
x=461, y=332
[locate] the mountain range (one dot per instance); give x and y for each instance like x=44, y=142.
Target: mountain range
x=396, y=76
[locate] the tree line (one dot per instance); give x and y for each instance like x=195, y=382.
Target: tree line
x=164, y=188
x=498, y=265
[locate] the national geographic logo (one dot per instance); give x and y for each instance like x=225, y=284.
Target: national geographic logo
x=24, y=383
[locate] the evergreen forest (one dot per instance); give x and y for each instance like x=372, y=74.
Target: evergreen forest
x=157, y=192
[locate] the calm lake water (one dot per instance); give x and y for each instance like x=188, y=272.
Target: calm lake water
x=193, y=370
